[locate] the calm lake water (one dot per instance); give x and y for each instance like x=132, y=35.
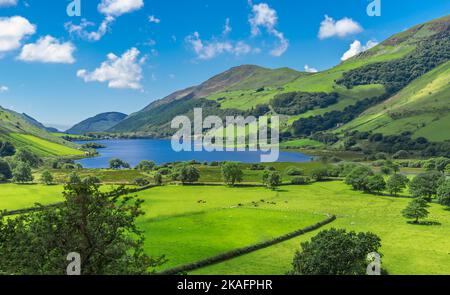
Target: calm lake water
x=160, y=151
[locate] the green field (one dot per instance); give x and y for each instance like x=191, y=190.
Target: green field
x=186, y=230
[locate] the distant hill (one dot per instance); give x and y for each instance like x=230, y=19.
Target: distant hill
x=38, y=124
x=17, y=129
x=400, y=84
x=98, y=123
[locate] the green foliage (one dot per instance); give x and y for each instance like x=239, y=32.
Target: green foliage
x=232, y=173
x=272, y=179
x=73, y=178
x=26, y=156
x=141, y=182
x=335, y=252
x=425, y=185
x=101, y=227
x=145, y=165
x=396, y=184
x=376, y=183
x=186, y=174
x=295, y=103
x=22, y=173
x=5, y=170
x=443, y=193
x=416, y=209
x=300, y=180
x=158, y=178
x=358, y=178
x=46, y=177
x=6, y=149
x=320, y=173
x=118, y=164
x=294, y=171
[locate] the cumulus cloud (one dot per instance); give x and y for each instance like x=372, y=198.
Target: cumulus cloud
x=356, y=48
x=154, y=19
x=309, y=69
x=209, y=49
x=13, y=30
x=264, y=17
x=7, y=3
x=119, y=7
x=124, y=72
x=48, y=50
x=341, y=28
x=111, y=9
x=3, y=88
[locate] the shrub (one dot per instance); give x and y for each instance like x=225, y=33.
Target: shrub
x=300, y=180
x=46, y=177
x=272, y=179
x=145, y=165
x=141, y=182
x=319, y=174
x=293, y=171
x=6, y=149
x=402, y=154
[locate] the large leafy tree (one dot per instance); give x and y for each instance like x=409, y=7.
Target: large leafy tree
x=100, y=226
x=416, y=209
x=358, y=178
x=443, y=193
x=26, y=156
x=6, y=149
x=118, y=164
x=5, y=170
x=145, y=165
x=232, y=173
x=272, y=179
x=335, y=252
x=425, y=185
x=22, y=173
x=396, y=184
x=376, y=184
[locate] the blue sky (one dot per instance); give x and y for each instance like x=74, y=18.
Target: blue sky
x=51, y=64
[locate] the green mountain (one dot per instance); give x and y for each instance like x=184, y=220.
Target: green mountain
x=38, y=124
x=401, y=84
x=17, y=129
x=98, y=123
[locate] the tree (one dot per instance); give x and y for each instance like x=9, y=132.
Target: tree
x=335, y=252
x=416, y=210
x=158, y=178
x=141, y=182
x=26, y=156
x=320, y=173
x=118, y=164
x=22, y=173
x=443, y=193
x=5, y=170
x=100, y=226
x=396, y=184
x=271, y=179
x=232, y=173
x=376, y=184
x=425, y=185
x=294, y=171
x=358, y=178
x=46, y=177
x=73, y=178
x=6, y=149
x=145, y=165
x=188, y=174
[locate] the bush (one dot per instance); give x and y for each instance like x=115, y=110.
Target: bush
x=272, y=179
x=141, y=182
x=319, y=174
x=118, y=164
x=26, y=156
x=402, y=154
x=6, y=149
x=293, y=171
x=22, y=173
x=145, y=165
x=300, y=180
x=46, y=177
x=358, y=178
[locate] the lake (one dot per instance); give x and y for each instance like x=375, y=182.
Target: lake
x=160, y=151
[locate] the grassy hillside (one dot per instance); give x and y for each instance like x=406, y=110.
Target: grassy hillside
x=421, y=108
x=21, y=133
x=98, y=123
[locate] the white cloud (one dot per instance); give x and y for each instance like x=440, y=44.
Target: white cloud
x=3, y=88
x=341, y=28
x=111, y=9
x=119, y=7
x=13, y=30
x=209, y=49
x=356, y=48
x=154, y=19
x=309, y=69
x=227, y=28
x=119, y=72
x=48, y=50
x=265, y=17
x=7, y=3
